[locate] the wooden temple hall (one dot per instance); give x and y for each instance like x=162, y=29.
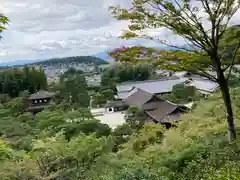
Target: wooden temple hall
x=40, y=100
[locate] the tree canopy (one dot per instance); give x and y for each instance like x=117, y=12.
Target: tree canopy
x=127, y=72
x=14, y=81
x=70, y=144
x=182, y=94
x=72, y=89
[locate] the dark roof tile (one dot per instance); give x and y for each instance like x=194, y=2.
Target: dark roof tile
x=164, y=109
x=41, y=94
x=138, y=98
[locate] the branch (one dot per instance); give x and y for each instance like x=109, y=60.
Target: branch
x=197, y=41
x=233, y=60
x=170, y=45
x=194, y=19
x=207, y=75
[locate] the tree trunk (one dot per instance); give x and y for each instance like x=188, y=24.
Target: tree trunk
x=228, y=104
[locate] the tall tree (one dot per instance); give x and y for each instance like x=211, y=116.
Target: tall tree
x=14, y=81
x=203, y=24
x=73, y=89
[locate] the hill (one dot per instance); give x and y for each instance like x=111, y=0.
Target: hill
x=70, y=60
x=75, y=59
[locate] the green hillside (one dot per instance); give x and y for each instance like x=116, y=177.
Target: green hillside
x=197, y=149
x=74, y=59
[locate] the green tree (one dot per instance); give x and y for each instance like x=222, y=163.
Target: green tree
x=14, y=81
x=126, y=72
x=73, y=89
x=182, y=93
x=121, y=135
x=87, y=127
x=3, y=23
x=203, y=33
x=98, y=99
x=135, y=117
x=108, y=94
x=75, y=159
x=5, y=151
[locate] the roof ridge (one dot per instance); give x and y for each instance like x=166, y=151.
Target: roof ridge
x=151, y=80
x=143, y=91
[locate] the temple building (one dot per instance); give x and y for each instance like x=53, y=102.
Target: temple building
x=40, y=100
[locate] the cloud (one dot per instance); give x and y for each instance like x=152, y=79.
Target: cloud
x=50, y=28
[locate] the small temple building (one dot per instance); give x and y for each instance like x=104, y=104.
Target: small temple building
x=40, y=100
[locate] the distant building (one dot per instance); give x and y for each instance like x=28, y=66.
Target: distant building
x=40, y=100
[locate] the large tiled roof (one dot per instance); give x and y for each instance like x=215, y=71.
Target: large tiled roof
x=152, y=105
x=151, y=86
x=204, y=85
x=162, y=112
x=138, y=98
x=41, y=94
x=165, y=86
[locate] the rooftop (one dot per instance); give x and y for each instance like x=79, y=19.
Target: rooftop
x=151, y=86
x=165, y=86
x=41, y=94
x=204, y=85
x=164, y=110
x=138, y=98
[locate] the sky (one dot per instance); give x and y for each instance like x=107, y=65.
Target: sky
x=58, y=28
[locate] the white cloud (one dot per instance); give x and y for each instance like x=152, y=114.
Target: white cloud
x=50, y=28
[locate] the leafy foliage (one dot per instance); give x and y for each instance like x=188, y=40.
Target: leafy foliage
x=182, y=94
x=67, y=144
x=127, y=72
x=135, y=117
x=3, y=23
x=73, y=90
x=98, y=99
x=14, y=81
x=60, y=159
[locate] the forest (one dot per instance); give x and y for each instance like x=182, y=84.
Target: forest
x=14, y=81
x=66, y=142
